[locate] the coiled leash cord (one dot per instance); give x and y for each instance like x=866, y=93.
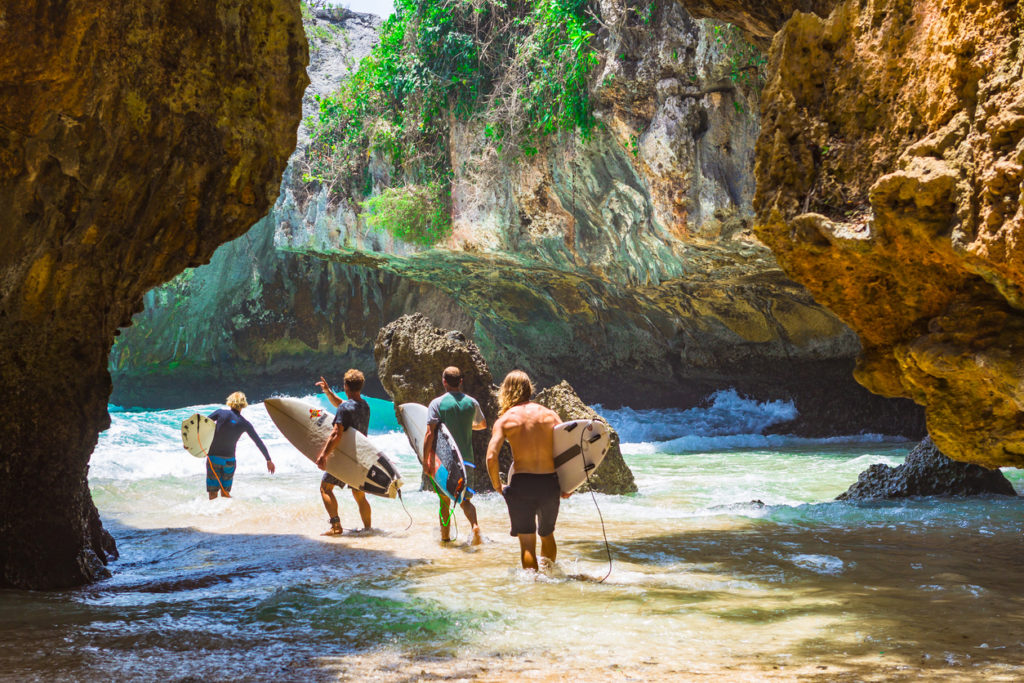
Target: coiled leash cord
x=402, y=501
x=451, y=512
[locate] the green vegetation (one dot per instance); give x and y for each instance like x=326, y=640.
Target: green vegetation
x=318, y=34
x=414, y=213
x=746, y=62
x=519, y=68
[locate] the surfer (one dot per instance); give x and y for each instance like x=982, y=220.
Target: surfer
x=461, y=414
x=353, y=413
x=220, y=460
x=533, y=494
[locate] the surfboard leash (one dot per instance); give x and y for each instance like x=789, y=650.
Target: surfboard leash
x=451, y=511
x=593, y=497
x=209, y=463
x=402, y=501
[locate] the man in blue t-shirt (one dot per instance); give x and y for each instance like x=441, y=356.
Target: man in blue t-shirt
x=462, y=415
x=353, y=413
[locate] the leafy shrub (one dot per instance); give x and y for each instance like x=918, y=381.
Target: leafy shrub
x=413, y=213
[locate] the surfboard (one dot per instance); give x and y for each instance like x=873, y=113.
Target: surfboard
x=449, y=473
x=197, y=434
x=580, y=446
x=355, y=460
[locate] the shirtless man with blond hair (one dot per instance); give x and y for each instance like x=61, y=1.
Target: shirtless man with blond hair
x=533, y=494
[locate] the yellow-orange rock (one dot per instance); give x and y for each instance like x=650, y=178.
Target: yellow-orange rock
x=889, y=170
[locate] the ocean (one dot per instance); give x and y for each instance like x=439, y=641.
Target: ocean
x=732, y=562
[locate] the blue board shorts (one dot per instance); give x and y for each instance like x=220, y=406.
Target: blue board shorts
x=219, y=468
x=533, y=501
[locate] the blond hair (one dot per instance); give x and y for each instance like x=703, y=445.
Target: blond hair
x=237, y=401
x=354, y=380
x=516, y=388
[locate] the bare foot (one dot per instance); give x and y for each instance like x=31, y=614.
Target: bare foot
x=335, y=530
x=477, y=538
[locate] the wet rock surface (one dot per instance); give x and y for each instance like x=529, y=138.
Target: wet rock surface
x=927, y=472
x=135, y=138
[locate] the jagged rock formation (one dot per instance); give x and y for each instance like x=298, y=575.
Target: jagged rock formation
x=927, y=472
x=890, y=173
x=411, y=355
x=625, y=265
x=134, y=138
x=613, y=474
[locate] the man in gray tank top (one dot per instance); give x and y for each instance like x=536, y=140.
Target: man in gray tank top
x=461, y=414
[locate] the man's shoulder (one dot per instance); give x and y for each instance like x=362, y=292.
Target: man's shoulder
x=541, y=412
x=453, y=399
x=358, y=403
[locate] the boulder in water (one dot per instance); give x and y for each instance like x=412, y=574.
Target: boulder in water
x=927, y=472
x=613, y=474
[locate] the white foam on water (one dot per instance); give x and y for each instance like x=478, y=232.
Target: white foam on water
x=819, y=564
x=726, y=414
x=147, y=445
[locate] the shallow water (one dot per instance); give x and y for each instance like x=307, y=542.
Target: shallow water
x=730, y=563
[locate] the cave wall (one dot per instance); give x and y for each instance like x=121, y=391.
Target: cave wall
x=135, y=137
x=890, y=171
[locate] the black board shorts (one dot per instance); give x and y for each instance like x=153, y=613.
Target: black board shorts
x=533, y=501
x=329, y=478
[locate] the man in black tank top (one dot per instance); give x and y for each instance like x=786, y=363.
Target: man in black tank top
x=353, y=413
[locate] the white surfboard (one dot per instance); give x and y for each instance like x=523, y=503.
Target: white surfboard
x=449, y=473
x=197, y=434
x=580, y=446
x=355, y=460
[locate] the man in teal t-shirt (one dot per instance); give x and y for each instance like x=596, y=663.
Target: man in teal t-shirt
x=461, y=414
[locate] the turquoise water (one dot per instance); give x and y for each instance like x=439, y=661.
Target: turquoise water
x=732, y=561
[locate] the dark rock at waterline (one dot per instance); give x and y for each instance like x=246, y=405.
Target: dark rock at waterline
x=613, y=475
x=412, y=353
x=927, y=472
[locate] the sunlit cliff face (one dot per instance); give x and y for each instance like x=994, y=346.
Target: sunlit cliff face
x=889, y=168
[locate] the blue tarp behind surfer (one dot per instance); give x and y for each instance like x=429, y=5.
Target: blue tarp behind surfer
x=353, y=413
x=220, y=461
x=461, y=414
x=533, y=493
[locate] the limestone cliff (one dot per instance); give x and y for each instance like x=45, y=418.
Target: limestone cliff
x=890, y=172
x=624, y=264
x=134, y=138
